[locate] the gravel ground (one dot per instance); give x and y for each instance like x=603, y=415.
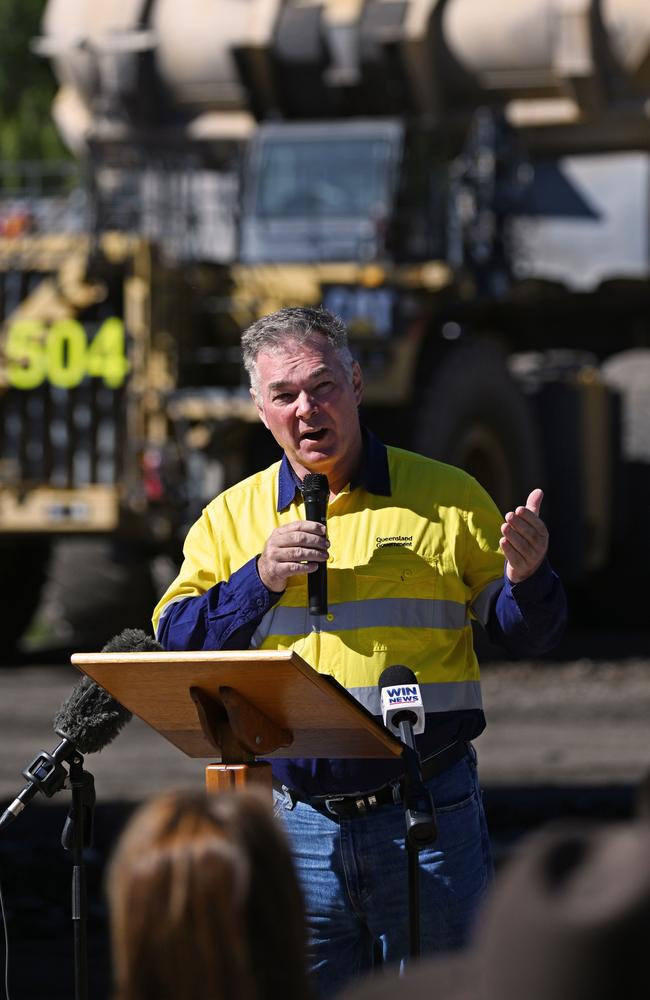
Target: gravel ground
x=582, y=722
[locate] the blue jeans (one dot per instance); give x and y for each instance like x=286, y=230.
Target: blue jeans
x=354, y=875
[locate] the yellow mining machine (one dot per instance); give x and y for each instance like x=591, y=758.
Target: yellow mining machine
x=466, y=183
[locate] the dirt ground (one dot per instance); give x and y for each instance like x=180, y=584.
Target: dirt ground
x=581, y=722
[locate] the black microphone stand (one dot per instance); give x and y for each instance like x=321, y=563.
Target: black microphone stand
x=421, y=828
x=77, y=834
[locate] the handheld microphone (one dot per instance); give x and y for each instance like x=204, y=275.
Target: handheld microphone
x=403, y=714
x=87, y=721
x=316, y=492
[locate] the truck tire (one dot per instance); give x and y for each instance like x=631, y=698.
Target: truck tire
x=23, y=564
x=95, y=589
x=475, y=416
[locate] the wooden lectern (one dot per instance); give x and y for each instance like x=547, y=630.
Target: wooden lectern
x=239, y=706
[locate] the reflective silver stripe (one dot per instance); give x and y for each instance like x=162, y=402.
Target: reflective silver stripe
x=447, y=696
x=271, y=624
x=482, y=601
x=390, y=612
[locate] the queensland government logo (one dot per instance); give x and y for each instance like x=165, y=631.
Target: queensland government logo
x=394, y=542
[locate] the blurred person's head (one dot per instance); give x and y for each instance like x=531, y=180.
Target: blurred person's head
x=204, y=902
x=568, y=919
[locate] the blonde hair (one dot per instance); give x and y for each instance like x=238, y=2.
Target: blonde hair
x=204, y=903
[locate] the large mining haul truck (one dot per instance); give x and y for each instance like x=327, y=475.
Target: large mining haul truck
x=466, y=183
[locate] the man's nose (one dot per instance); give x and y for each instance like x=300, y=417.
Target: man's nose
x=306, y=405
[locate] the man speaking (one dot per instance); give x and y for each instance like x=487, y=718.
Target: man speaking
x=414, y=549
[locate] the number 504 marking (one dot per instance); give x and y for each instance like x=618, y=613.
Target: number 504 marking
x=63, y=355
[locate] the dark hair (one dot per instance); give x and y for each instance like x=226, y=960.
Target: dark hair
x=205, y=903
x=294, y=323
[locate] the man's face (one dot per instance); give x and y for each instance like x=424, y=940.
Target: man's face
x=309, y=404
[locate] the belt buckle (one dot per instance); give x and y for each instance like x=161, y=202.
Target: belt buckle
x=334, y=799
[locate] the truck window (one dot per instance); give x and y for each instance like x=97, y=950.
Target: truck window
x=311, y=177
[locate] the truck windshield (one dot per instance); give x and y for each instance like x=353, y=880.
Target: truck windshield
x=350, y=177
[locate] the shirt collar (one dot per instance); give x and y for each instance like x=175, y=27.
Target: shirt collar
x=373, y=473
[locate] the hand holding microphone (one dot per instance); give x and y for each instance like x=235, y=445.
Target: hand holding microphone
x=300, y=547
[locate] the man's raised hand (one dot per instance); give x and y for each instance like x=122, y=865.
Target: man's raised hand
x=524, y=540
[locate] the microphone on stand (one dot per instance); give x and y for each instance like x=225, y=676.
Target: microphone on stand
x=401, y=703
x=316, y=492
x=87, y=721
x=402, y=710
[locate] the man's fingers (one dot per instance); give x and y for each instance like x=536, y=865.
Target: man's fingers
x=534, y=501
x=307, y=527
x=308, y=536
x=508, y=550
x=303, y=555
x=304, y=539
x=523, y=522
x=518, y=542
x=512, y=554
x=296, y=554
x=517, y=566
x=296, y=568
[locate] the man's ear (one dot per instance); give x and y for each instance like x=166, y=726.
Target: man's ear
x=259, y=407
x=357, y=382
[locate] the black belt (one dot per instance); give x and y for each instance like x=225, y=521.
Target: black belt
x=347, y=806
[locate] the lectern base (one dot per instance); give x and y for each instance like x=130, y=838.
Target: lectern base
x=224, y=777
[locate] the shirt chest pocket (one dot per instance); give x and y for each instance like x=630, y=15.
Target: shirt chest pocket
x=396, y=602
x=399, y=572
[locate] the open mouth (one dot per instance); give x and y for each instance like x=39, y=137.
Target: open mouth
x=314, y=435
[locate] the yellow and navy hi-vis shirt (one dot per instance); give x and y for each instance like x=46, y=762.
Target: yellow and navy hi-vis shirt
x=414, y=555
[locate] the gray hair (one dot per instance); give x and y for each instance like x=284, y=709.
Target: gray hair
x=294, y=323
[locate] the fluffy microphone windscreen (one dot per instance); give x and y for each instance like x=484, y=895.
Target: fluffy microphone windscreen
x=90, y=717
x=132, y=640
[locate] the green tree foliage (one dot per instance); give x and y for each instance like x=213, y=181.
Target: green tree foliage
x=27, y=87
